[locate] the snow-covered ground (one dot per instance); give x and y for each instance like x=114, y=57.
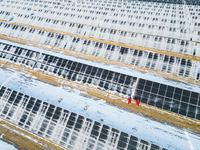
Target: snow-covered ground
x=6, y=146
x=161, y=134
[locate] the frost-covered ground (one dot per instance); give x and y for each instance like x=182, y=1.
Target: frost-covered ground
x=159, y=133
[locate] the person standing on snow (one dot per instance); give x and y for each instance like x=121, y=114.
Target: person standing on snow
x=138, y=102
x=129, y=100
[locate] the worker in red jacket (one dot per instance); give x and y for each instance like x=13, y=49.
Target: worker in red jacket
x=138, y=102
x=129, y=100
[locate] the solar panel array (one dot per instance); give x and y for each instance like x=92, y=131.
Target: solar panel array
x=21, y=56
x=100, y=78
x=171, y=25
x=146, y=37
x=64, y=127
x=146, y=59
x=166, y=97
x=157, y=19
x=165, y=26
x=118, y=83
x=170, y=98
x=93, y=11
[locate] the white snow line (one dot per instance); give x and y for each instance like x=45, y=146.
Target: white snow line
x=1, y=137
x=188, y=138
x=61, y=52
x=8, y=79
x=4, y=64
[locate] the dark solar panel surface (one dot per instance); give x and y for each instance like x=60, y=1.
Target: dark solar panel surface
x=170, y=98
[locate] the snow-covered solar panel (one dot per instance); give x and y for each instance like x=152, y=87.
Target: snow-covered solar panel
x=65, y=127
x=117, y=53
x=18, y=55
x=162, y=96
x=90, y=75
x=100, y=78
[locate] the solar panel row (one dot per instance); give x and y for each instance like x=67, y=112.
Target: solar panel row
x=18, y=55
x=162, y=14
x=160, y=62
x=64, y=127
x=166, y=97
x=117, y=83
x=86, y=74
x=170, y=98
x=104, y=28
